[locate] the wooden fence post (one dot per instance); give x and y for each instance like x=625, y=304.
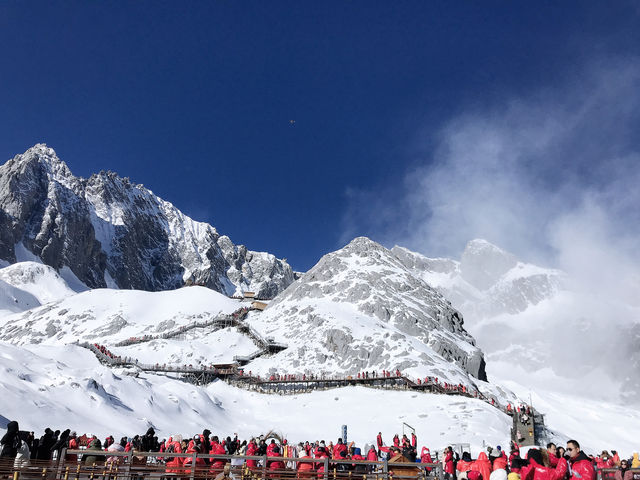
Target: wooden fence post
x=264, y=468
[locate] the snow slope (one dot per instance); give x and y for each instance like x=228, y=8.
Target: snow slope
x=40, y=280
x=109, y=316
x=44, y=384
x=14, y=299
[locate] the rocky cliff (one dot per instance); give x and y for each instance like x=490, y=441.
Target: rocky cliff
x=111, y=232
x=360, y=308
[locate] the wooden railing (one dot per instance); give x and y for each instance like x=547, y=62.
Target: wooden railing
x=72, y=465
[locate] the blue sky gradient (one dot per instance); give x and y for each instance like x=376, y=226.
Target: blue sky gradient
x=194, y=100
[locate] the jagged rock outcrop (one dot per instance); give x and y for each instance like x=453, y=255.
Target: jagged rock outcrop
x=360, y=308
x=113, y=233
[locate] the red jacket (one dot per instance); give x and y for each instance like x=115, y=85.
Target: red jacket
x=338, y=448
x=304, y=466
x=582, y=468
x=533, y=471
x=73, y=445
x=186, y=462
x=608, y=463
x=320, y=465
x=252, y=448
x=276, y=464
x=482, y=465
x=217, y=463
x=372, y=456
x=448, y=463
x=500, y=462
x=379, y=440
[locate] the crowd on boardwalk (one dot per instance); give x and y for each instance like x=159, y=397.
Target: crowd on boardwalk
x=307, y=458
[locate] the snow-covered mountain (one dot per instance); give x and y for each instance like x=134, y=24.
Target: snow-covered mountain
x=112, y=233
x=382, y=309
x=534, y=327
x=487, y=281
x=360, y=309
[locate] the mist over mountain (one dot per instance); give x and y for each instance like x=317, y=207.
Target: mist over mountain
x=110, y=232
x=532, y=322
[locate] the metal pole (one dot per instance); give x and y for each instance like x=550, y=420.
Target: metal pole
x=193, y=466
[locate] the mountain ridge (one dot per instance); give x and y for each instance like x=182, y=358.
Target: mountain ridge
x=113, y=233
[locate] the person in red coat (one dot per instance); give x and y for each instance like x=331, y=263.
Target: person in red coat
x=321, y=452
x=372, y=456
x=448, y=463
x=252, y=449
x=581, y=465
x=464, y=464
x=604, y=461
x=339, y=448
x=275, y=465
x=73, y=445
x=552, y=452
x=173, y=463
x=217, y=464
x=379, y=442
x=537, y=470
x=271, y=448
x=515, y=453
x=425, y=457
x=303, y=468
x=188, y=461
x=482, y=465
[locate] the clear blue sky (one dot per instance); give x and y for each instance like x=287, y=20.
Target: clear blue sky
x=194, y=99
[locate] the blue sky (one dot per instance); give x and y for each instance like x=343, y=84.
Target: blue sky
x=419, y=123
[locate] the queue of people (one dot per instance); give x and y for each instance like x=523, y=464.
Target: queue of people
x=308, y=458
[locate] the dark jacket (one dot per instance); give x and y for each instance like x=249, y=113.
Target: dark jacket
x=47, y=441
x=10, y=441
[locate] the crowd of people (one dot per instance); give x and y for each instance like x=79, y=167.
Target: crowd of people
x=308, y=458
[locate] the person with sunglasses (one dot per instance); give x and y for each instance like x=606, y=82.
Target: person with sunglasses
x=581, y=465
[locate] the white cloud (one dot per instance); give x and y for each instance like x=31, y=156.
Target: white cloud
x=552, y=177
x=555, y=179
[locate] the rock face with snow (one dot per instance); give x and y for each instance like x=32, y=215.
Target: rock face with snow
x=359, y=309
x=111, y=232
x=487, y=281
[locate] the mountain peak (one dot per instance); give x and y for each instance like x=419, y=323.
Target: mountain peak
x=46, y=157
x=483, y=263
x=110, y=232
